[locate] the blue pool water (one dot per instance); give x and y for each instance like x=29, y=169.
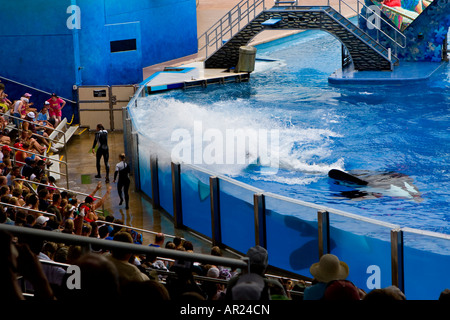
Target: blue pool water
x=372, y=129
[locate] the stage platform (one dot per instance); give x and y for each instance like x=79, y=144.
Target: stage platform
x=405, y=73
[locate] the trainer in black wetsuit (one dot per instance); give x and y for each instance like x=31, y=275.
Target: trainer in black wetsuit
x=122, y=171
x=101, y=137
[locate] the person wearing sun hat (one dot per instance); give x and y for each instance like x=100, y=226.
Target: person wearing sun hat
x=328, y=268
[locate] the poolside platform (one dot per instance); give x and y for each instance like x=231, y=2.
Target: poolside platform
x=406, y=72
x=189, y=75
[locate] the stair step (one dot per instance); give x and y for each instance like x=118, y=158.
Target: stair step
x=68, y=134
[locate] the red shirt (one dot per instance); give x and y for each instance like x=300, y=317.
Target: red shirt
x=392, y=3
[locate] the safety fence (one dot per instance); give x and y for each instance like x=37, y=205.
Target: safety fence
x=295, y=233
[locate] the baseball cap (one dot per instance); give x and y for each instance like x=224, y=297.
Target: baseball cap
x=41, y=220
x=7, y=148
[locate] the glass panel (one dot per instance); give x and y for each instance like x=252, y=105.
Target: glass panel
x=426, y=262
x=237, y=216
x=292, y=235
x=144, y=165
x=195, y=200
x=165, y=182
x=366, y=249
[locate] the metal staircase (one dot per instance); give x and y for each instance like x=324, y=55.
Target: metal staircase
x=220, y=44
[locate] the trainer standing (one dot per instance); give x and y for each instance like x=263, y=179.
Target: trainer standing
x=101, y=138
x=122, y=171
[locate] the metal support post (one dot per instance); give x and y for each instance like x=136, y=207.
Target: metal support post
x=323, y=221
x=398, y=276
x=215, y=211
x=259, y=204
x=155, y=182
x=176, y=195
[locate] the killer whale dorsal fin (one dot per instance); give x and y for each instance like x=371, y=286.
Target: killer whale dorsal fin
x=344, y=176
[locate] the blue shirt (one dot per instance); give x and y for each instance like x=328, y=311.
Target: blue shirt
x=315, y=292
x=42, y=117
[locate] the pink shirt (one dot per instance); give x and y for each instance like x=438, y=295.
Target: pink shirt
x=55, y=105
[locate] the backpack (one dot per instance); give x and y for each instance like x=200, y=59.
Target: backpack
x=251, y=286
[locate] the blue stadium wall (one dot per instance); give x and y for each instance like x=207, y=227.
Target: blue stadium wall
x=54, y=45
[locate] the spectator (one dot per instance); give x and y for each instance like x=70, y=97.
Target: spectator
x=56, y=104
x=188, y=246
x=391, y=293
x=19, y=260
x=328, y=268
x=41, y=223
x=254, y=285
x=100, y=279
x=224, y=273
x=68, y=227
x=445, y=295
x=178, y=242
x=341, y=290
x=43, y=200
x=54, y=274
x=213, y=290
x=144, y=291
x=88, y=207
x=184, y=281
x=21, y=153
x=127, y=271
x=159, y=241
x=55, y=207
x=5, y=152
x=103, y=232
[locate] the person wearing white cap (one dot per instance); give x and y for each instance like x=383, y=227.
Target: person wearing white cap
x=41, y=222
x=328, y=268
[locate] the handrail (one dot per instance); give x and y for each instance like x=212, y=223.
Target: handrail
x=16, y=82
x=214, y=36
x=56, y=187
x=134, y=228
x=46, y=138
x=23, y=120
x=32, y=153
x=135, y=248
x=357, y=11
x=51, y=140
x=48, y=170
x=28, y=209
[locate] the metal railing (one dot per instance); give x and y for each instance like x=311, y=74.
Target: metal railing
x=51, y=140
x=27, y=209
x=229, y=25
x=239, y=16
x=59, y=188
x=135, y=229
x=8, y=115
x=40, y=155
x=399, y=38
x=134, y=248
x=33, y=88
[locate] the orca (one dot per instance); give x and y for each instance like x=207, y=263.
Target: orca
x=364, y=184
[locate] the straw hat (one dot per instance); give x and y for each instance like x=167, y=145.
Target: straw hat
x=329, y=268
